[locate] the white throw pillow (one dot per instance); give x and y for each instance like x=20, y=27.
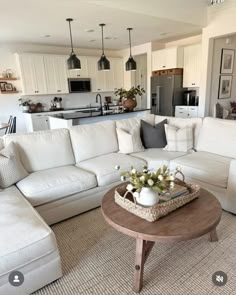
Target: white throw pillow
x=11, y=169
x=179, y=139
x=129, y=142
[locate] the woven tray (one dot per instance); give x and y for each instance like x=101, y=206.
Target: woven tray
x=153, y=213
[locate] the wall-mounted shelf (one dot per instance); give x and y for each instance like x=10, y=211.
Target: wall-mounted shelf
x=7, y=79
x=9, y=92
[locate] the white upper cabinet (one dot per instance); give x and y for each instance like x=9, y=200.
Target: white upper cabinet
x=97, y=77
x=169, y=58
x=192, y=65
x=32, y=71
x=48, y=74
x=118, y=73
x=83, y=72
x=55, y=69
x=106, y=81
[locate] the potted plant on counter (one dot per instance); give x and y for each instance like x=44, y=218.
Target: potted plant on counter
x=233, y=106
x=25, y=104
x=129, y=96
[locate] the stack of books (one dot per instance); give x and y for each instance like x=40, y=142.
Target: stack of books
x=178, y=191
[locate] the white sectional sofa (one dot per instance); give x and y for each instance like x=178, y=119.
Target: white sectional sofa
x=69, y=172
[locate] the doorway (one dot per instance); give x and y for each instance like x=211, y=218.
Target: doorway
x=139, y=77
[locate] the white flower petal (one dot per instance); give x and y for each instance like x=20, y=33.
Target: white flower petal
x=129, y=187
x=142, y=178
x=160, y=177
x=150, y=182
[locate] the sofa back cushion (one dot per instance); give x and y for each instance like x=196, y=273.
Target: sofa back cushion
x=218, y=137
x=42, y=150
x=93, y=140
x=128, y=124
x=196, y=123
x=1, y=143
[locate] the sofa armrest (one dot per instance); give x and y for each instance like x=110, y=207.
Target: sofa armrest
x=231, y=188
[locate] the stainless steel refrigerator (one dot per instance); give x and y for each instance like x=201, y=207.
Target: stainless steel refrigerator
x=166, y=93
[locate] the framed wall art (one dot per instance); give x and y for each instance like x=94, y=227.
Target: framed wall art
x=225, y=86
x=8, y=87
x=227, y=61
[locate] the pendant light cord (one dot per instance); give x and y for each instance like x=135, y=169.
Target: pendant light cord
x=72, y=48
x=102, y=25
x=129, y=29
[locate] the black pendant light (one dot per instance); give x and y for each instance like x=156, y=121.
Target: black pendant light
x=73, y=63
x=103, y=63
x=131, y=63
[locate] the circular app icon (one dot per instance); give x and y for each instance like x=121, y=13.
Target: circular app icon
x=219, y=278
x=16, y=278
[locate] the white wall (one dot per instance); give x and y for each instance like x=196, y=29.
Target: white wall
x=9, y=104
x=185, y=41
x=221, y=22
x=218, y=45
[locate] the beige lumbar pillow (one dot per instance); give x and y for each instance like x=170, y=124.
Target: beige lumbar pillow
x=129, y=142
x=11, y=168
x=179, y=139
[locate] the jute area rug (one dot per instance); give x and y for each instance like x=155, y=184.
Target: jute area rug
x=96, y=259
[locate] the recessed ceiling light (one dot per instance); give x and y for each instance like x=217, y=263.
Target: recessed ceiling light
x=89, y=30
x=46, y=36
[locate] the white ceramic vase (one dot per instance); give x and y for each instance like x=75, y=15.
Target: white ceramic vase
x=147, y=197
x=58, y=105
x=25, y=108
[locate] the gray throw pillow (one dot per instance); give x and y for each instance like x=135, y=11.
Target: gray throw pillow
x=153, y=136
x=11, y=168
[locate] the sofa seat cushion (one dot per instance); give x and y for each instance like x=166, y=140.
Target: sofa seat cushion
x=25, y=236
x=206, y=167
x=157, y=157
x=104, y=166
x=49, y=185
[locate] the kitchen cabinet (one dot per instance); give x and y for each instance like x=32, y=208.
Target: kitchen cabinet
x=186, y=111
x=36, y=122
x=48, y=74
x=32, y=72
x=192, y=65
x=83, y=72
x=118, y=73
x=56, y=78
x=168, y=58
x=40, y=122
x=97, y=77
x=106, y=81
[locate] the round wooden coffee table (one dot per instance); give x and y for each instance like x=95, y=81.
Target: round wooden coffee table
x=195, y=219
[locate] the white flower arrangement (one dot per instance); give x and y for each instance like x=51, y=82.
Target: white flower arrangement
x=160, y=180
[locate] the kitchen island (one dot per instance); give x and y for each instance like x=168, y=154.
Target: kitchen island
x=67, y=120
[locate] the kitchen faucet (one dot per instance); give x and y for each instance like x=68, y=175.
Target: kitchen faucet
x=100, y=101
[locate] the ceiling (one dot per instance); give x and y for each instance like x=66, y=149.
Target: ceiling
x=28, y=21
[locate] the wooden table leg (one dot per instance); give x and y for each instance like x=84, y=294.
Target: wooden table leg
x=213, y=237
x=143, y=249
